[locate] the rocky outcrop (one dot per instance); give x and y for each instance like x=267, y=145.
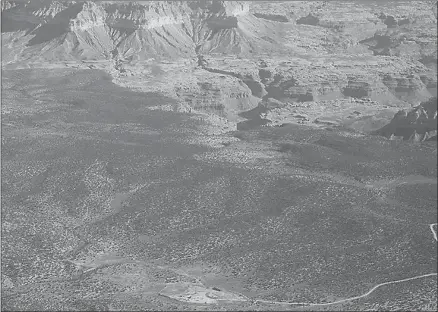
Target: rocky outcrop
x=144, y=15
x=300, y=86
x=382, y=91
x=419, y=124
x=283, y=86
x=222, y=95
x=88, y=15
x=408, y=88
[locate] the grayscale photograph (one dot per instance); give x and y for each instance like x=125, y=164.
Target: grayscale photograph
x=219, y=155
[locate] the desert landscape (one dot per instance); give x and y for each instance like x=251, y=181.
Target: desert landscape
x=219, y=155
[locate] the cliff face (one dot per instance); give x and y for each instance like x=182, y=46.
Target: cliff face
x=142, y=29
x=98, y=30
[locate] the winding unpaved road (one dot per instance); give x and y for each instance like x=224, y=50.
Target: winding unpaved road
x=308, y=304
x=412, y=179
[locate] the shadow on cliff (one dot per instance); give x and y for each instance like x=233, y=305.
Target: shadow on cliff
x=51, y=31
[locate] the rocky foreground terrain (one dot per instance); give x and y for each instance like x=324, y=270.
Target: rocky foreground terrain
x=219, y=155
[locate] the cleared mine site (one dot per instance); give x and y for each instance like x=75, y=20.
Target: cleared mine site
x=218, y=155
